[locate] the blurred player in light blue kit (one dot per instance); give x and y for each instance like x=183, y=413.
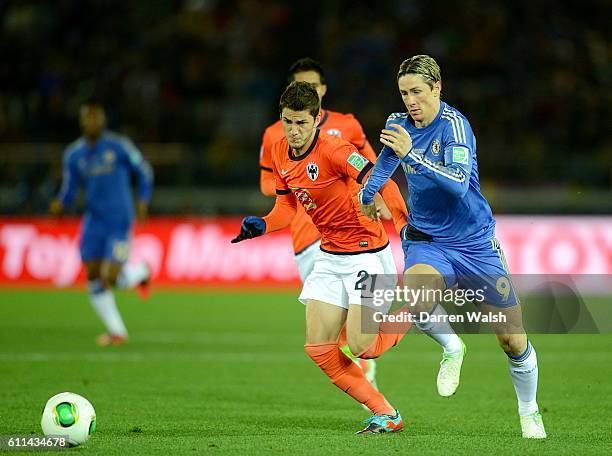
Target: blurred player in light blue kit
x=103, y=163
x=450, y=236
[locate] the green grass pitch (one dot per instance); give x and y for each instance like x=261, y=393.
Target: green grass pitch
x=225, y=372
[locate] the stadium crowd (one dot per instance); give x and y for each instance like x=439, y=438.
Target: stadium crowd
x=533, y=76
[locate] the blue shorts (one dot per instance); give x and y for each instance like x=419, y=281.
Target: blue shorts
x=103, y=241
x=480, y=267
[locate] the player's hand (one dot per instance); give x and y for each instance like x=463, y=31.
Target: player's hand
x=397, y=138
x=369, y=210
x=56, y=207
x=142, y=211
x=381, y=208
x=251, y=227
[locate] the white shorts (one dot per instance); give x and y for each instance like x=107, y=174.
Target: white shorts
x=306, y=258
x=341, y=279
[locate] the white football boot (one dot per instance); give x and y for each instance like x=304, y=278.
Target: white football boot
x=533, y=426
x=450, y=371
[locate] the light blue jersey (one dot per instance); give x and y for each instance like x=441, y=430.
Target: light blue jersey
x=105, y=169
x=451, y=227
x=442, y=173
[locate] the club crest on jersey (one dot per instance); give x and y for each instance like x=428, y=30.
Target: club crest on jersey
x=334, y=132
x=435, y=147
x=312, y=170
x=109, y=156
x=305, y=198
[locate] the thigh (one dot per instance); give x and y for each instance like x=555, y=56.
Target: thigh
x=324, y=283
x=418, y=254
x=366, y=278
x=323, y=321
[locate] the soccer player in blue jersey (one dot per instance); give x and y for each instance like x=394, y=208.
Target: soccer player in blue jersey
x=103, y=162
x=450, y=236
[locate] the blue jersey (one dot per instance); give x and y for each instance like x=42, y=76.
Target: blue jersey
x=105, y=169
x=444, y=191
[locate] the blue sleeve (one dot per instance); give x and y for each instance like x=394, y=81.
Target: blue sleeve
x=141, y=169
x=453, y=176
x=385, y=166
x=71, y=180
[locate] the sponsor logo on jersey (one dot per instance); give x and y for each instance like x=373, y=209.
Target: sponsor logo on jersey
x=357, y=161
x=312, y=170
x=334, y=132
x=460, y=155
x=363, y=243
x=305, y=198
x=435, y=147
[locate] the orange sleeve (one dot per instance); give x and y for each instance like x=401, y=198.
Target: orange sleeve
x=266, y=177
x=282, y=213
x=395, y=202
x=285, y=206
x=350, y=162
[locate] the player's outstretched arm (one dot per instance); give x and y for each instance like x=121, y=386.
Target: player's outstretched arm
x=140, y=168
x=71, y=181
x=279, y=217
x=267, y=183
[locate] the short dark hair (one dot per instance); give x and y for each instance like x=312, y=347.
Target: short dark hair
x=300, y=96
x=306, y=64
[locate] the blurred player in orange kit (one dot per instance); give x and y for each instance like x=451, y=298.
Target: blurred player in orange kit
x=306, y=238
x=323, y=174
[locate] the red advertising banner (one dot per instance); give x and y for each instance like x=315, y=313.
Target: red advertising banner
x=197, y=252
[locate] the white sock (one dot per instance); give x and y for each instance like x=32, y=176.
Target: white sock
x=441, y=332
x=132, y=274
x=524, y=374
x=103, y=302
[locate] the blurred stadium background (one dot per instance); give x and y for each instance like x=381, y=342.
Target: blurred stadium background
x=194, y=83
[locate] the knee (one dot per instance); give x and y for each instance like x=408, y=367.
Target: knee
x=359, y=345
x=110, y=276
x=514, y=344
x=93, y=274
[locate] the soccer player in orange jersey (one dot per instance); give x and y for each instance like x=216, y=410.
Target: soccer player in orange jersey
x=323, y=173
x=305, y=236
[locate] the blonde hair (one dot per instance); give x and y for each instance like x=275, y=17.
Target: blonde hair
x=423, y=65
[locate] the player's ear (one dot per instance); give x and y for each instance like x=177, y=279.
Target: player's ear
x=318, y=118
x=323, y=90
x=437, y=89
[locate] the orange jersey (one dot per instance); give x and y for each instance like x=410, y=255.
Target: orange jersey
x=345, y=126
x=324, y=181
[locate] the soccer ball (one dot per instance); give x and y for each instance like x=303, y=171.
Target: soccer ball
x=69, y=415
